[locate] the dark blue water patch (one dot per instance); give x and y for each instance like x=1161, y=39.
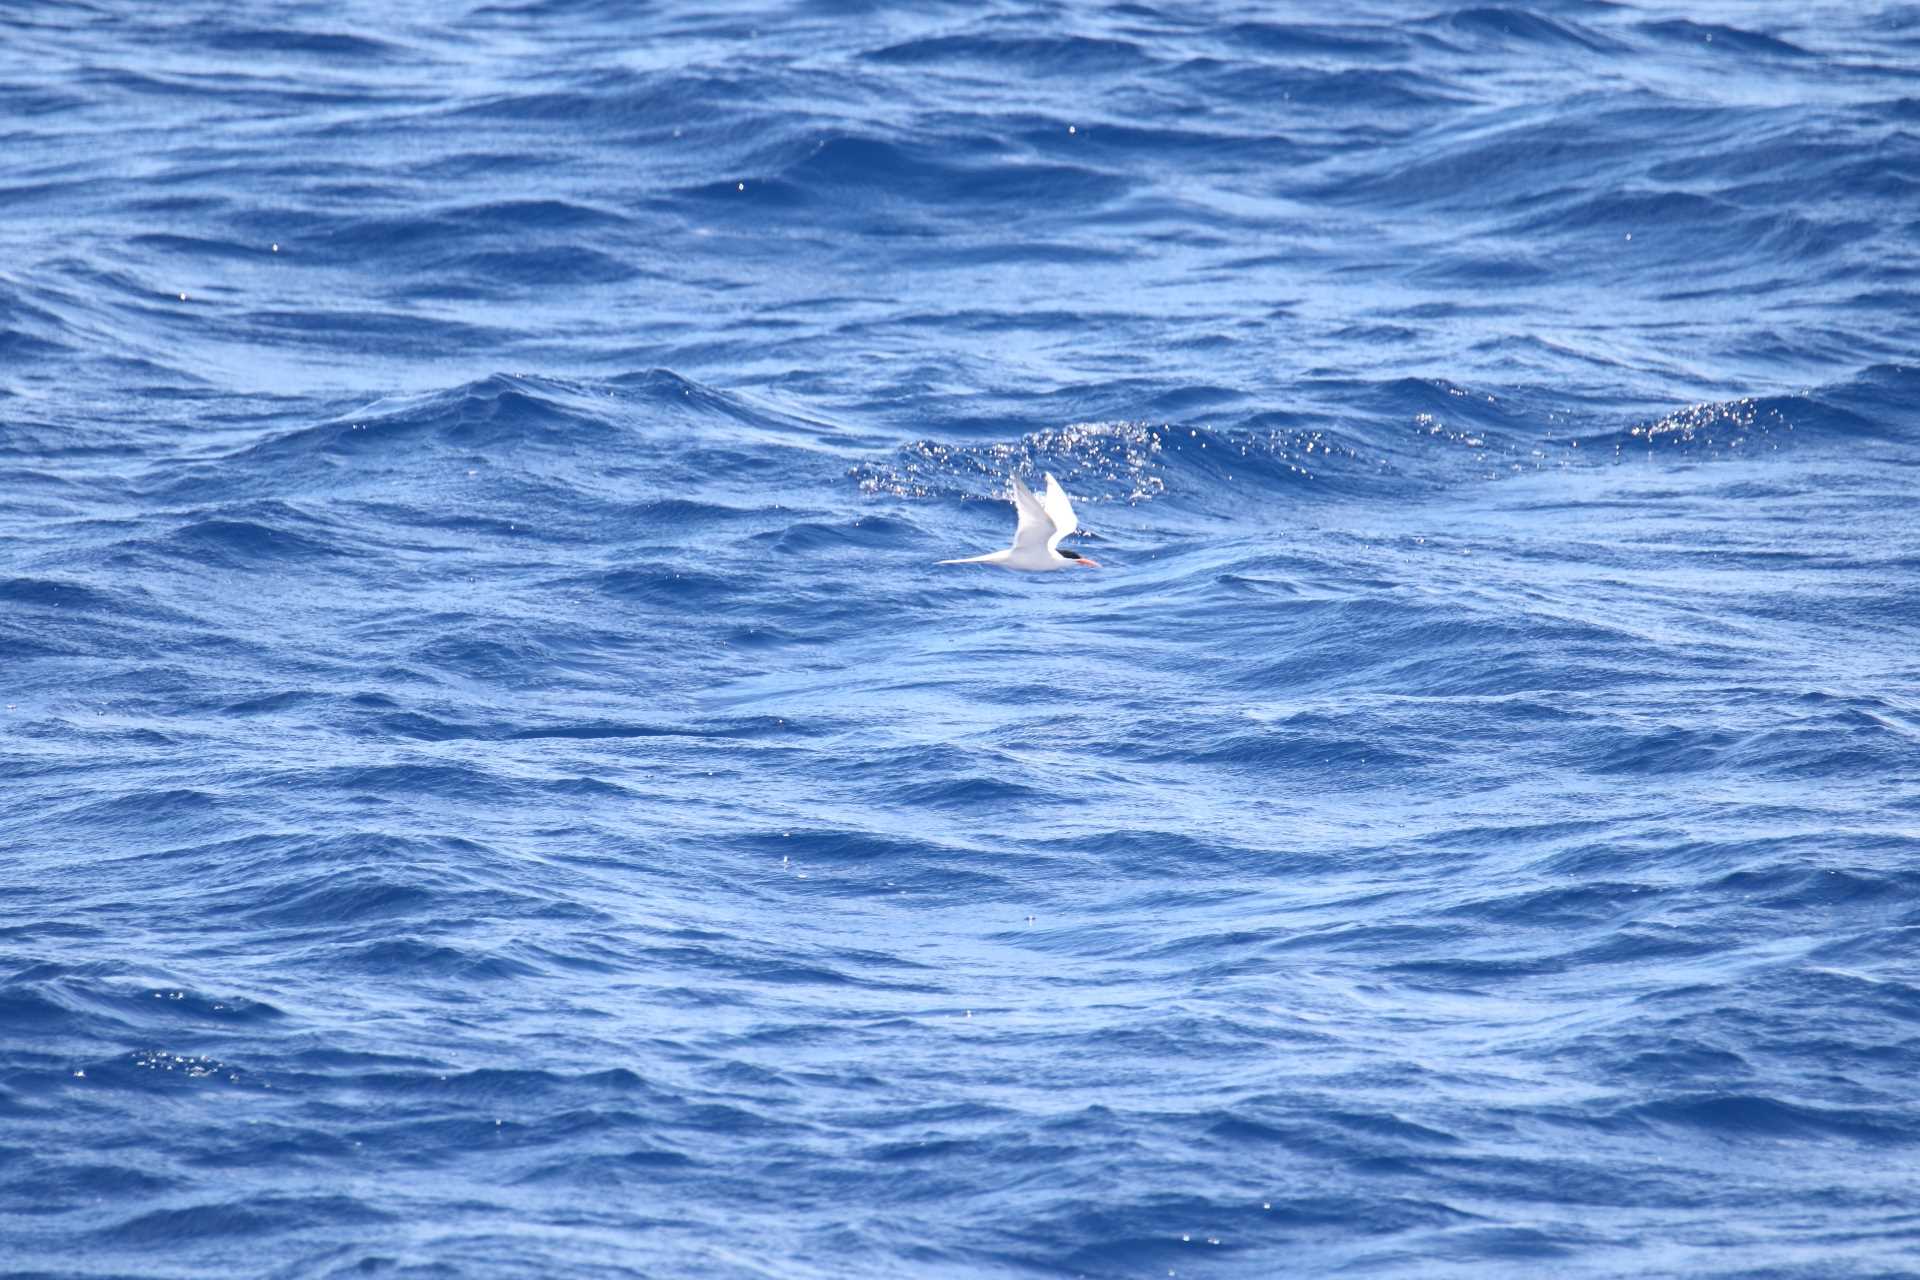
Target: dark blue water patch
x=637, y=1164
x=200, y=247
x=455, y=780
x=169, y=809
x=329, y=46
x=499, y=413
x=44, y=1014
x=183, y=90
x=70, y=1186
x=1412, y=654
x=749, y=728
x=1385, y=104
x=1328, y=755
x=1671, y=750
x=1502, y=27
x=1482, y=170
x=662, y=584
x=49, y=593
x=1041, y=56
x=1051, y=254
x=966, y=793
x=1868, y=393
x=264, y=1216
x=456, y=763
x=870, y=178
x=1718, y=38
x=31, y=331
x=1687, y=227
x=1382, y=43
x=1738, y=1117
x=32, y=101
x=1584, y=905
x=1506, y=267
x=1755, y=175
x=1788, y=887
x=527, y=216
x=426, y=960
x=480, y=274
x=78, y=1002
x=346, y=898
x=809, y=537
x=246, y=543
x=363, y=332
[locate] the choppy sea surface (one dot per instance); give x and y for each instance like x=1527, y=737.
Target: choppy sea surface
x=493, y=784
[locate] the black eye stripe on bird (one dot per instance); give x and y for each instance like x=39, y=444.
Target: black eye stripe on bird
x=1036, y=538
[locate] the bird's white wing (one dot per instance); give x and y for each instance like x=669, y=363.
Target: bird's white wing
x=1035, y=530
x=1059, y=511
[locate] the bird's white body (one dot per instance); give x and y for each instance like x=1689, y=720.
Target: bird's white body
x=1036, y=538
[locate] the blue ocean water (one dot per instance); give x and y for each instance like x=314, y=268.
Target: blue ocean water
x=494, y=785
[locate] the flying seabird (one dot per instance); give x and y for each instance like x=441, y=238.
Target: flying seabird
x=1036, y=539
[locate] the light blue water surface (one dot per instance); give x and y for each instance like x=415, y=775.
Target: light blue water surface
x=491, y=783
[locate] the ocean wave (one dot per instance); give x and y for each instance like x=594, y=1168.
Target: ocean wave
x=494, y=772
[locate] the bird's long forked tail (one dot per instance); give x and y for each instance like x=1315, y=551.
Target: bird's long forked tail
x=992, y=557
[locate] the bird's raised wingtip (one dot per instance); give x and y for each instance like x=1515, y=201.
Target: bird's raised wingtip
x=1059, y=510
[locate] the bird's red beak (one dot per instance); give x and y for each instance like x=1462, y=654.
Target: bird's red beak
x=1088, y=561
